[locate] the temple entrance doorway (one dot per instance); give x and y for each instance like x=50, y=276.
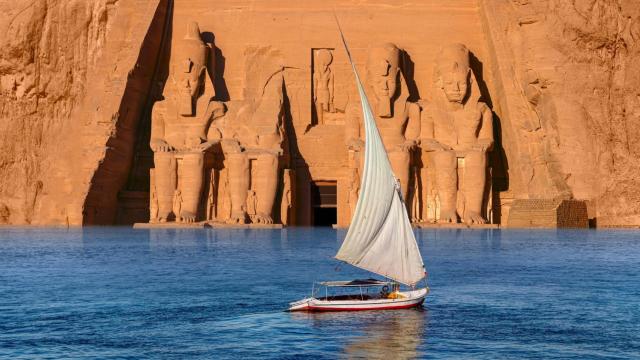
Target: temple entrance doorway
x=324, y=210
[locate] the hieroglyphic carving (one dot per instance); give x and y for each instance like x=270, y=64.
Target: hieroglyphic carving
x=458, y=132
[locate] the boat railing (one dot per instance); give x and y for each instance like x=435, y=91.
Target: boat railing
x=362, y=285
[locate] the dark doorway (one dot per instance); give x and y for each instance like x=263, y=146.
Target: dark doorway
x=324, y=203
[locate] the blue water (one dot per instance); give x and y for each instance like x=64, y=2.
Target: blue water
x=114, y=293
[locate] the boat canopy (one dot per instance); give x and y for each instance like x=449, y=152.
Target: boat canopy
x=356, y=283
x=380, y=238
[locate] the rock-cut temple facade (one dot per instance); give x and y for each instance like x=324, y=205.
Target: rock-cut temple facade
x=492, y=112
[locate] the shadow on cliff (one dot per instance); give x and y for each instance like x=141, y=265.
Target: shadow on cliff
x=408, y=68
x=497, y=157
x=295, y=161
x=216, y=66
x=124, y=172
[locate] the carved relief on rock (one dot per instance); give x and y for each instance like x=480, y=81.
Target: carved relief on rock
x=286, y=204
x=181, y=131
x=355, y=165
x=457, y=134
x=323, y=84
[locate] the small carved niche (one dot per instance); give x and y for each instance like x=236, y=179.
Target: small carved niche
x=322, y=90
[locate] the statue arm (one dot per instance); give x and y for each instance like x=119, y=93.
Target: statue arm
x=214, y=136
x=331, y=88
x=215, y=110
x=352, y=129
x=426, y=121
x=413, y=126
x=158, y=142
x=428, y=138
x=485, y=136
x=315, y=86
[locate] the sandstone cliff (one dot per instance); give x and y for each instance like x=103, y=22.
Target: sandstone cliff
x=76, y=78
x=63, y=69
x=49, y=47
x=570, y=78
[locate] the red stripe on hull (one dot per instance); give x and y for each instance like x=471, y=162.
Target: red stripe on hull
x=393, y=307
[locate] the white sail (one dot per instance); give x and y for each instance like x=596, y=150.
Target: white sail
x=380, y=238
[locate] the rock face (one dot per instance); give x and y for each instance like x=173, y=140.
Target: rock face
x=49, y=49
x=566, y=76
x=81, y=83
x=64, y=77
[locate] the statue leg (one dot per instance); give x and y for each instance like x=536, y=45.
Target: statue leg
x=166, y=179
x=475, y=173
x=238, y=186
x=191, y=185
x=319, y=113
x=266, y=186
x=400, y=165
x=447, y=184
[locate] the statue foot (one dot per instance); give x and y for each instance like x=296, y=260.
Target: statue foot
x=474, y=218
x=448, y=217
x=237, y=218
x=187, y=217
x=263, y=219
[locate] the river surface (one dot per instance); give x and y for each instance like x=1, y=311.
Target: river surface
x=117, y=293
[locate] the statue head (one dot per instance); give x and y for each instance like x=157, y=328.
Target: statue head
x=323, y=59
x=383, y=70
x=190, y=72
x=452, y=73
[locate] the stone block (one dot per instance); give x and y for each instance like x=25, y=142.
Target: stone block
x=548, y=213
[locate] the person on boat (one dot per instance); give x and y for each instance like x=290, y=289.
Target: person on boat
x=395, y=293
x=384, y=292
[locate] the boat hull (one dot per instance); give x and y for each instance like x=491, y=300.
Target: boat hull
x=411, y=299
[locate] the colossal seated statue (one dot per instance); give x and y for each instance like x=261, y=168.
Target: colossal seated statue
x=398, y=120
x=181, y=131
x=252, y=145
x=457, y=133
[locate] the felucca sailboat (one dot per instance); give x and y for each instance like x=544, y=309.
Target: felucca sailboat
x=380, y=238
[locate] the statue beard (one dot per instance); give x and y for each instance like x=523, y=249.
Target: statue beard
x=384, y=107
x=186, y=102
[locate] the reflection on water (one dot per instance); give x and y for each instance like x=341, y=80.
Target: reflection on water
x=389, y=335
x=396, y=334
x=205, y=293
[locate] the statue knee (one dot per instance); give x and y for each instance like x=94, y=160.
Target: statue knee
x=163, y=159
x=194, y=159
x=268, y=160
x=444, y=160
x=230, y=146
x=238, y=165
x=475, y=159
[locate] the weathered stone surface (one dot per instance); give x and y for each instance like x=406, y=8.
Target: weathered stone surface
x=539, y=213
x=65, y=70
x=565, y=78
x=80, y=81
